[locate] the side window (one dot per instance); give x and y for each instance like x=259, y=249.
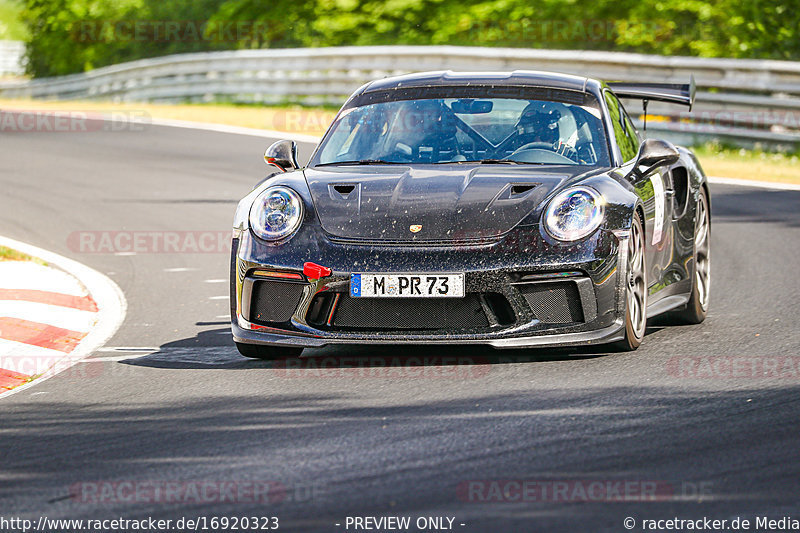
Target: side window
x=630, y=128
x=624, y=131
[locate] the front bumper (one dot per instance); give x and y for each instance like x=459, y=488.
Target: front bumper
x=588, y=274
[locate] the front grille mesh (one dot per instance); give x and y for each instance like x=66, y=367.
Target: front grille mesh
x=409, y=313
x=554, y=302
x=274, y=301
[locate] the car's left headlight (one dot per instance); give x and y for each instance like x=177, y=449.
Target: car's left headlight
x=574, y=213
x=276, y=213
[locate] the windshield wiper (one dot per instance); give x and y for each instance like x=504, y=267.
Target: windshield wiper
x=498, y=162
x=358, y=162
x=487, y=162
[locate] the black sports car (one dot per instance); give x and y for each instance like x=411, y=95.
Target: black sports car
x=510, y=209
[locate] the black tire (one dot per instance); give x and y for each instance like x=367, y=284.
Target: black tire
x=258, y=351
x=636, y=289
x=697, y=307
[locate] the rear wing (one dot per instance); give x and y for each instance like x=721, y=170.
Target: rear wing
x=675, y=93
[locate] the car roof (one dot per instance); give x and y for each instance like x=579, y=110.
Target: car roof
x=531, y=78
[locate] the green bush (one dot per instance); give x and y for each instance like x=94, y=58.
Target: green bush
x=58, y=29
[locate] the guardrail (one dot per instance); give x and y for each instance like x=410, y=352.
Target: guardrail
x=11, y=57
x=740, y=101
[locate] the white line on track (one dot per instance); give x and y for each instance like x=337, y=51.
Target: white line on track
x=108, y=296
x=756, y=184
x=216, y=281
x=179, y=269
x=236, y=130
x=127, y=349
x=219, y=297
x=110, y=358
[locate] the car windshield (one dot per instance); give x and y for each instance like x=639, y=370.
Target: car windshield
x=463, y=130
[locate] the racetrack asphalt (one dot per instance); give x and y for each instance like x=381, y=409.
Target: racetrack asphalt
x=709, y=413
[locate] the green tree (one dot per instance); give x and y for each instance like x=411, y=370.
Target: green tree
x=722, y=28
x=69, y=36
x=280, y=23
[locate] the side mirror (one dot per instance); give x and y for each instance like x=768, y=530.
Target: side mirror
x=654, y=153
x=282, y=154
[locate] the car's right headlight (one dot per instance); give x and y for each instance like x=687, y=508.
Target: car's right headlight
x=276, y=213
x=574, y=213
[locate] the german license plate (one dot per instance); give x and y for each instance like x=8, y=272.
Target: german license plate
x=433, y=285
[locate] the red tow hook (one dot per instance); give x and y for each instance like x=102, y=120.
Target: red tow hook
x=314, y=271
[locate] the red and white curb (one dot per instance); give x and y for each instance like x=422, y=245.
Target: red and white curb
x=51, y=318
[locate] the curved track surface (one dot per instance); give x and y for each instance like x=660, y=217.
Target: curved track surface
x=709, y=413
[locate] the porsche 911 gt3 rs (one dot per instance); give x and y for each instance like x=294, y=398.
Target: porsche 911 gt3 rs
x=514, y=210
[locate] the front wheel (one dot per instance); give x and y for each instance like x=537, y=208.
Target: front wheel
x=258, y=351
x=635, y=289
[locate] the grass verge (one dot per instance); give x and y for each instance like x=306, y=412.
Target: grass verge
x=744, y=164
x=8, y=254
x=290, y=119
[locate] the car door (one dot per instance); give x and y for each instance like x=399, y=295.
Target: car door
x=652, y=188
